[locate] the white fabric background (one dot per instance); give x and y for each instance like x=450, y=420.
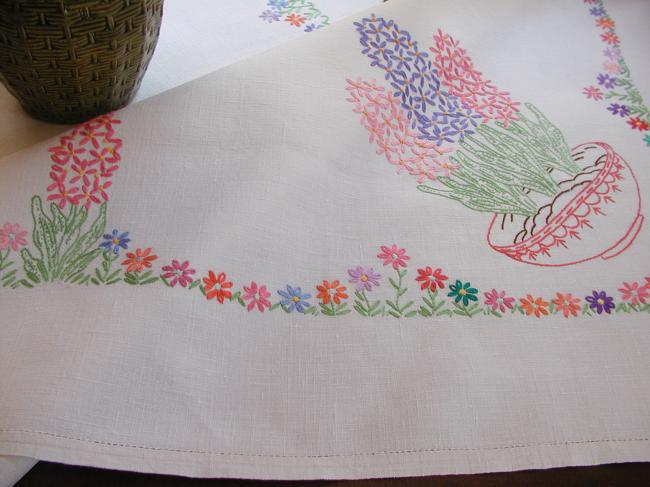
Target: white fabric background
x=158, y=381
x=196, y=38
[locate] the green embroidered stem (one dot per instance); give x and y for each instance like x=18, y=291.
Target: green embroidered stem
x=334, y=310
x=106, y=275
x=467, y=310
x=432, y=306
x=364, y=307
x=396, y=310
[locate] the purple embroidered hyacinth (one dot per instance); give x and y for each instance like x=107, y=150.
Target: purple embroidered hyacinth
x=620, y=110
x=599, y=302
x=437, y=115
x=606, y=81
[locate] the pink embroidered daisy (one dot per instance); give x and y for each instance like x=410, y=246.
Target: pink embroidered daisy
x=498, y=300
x=258, y=296
x=593, y=93
x=394, y=256
x=12, y=236
x=178, y=273
x=634, y=293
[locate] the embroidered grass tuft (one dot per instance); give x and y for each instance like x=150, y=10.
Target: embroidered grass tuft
x=502, y=167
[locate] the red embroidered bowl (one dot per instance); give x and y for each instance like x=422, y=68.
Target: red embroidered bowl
x=596, y=214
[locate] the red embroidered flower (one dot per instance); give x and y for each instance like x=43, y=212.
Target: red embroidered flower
x=638, y=124
x=432, y=279
x=567, y=303
x=138, y=261
x=610, y=38
x=536, y=306
x=217, y=286
x=393, y=256
x=325, y=295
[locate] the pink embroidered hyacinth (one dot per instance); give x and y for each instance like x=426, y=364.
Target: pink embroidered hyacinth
x=458, y=74
x=84, y=162
x=387, y=123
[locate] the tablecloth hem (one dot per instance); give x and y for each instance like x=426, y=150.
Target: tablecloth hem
x=404, y=463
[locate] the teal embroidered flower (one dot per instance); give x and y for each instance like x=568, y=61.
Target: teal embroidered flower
x=646, y=139
x=463, y=292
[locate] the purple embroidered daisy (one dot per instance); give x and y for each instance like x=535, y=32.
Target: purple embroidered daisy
x=606, y=81
x=620, y=110
x=597, y=11
x=364, y=278
x=270, y=16
x=599, y=301
x=612, y=53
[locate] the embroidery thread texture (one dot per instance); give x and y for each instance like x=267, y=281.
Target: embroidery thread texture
x=624, y=98
x=549, y=201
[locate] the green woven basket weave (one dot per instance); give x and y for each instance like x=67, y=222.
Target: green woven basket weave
x=69, y=60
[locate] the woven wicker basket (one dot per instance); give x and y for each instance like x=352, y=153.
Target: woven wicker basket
x=69, y=60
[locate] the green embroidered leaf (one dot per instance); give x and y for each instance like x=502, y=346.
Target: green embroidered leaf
x=197, y=282
x=276, y=305
x=326, y=310
x=425, y=312
x=359, y=309
x=80, y=264
x=393, y=283
x=394, y=314
x=83, y=244
x=58, y=219
x=410, y=314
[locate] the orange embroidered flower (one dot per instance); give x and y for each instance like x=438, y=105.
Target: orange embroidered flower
x=605, y=23
x=324, y=292
x=295, y=19
x=536, y=306
x=139, y=260
x=567, y=303
x=217, y=286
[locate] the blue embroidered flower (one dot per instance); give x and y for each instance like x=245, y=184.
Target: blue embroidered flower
x=270, y=16
x=277, y=4
x=597, y=11
x=606, y=81
x=294, y=299
x=312, y=27
x=114, y=241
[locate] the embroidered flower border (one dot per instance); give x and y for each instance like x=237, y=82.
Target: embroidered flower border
x=616, y=79
x=297, y=13
x=64, y=249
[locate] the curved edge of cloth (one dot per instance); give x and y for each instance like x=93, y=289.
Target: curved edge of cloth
x=12, y=469
x=205, y=464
